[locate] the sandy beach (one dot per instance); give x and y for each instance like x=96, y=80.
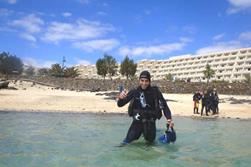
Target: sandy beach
x=47, y=99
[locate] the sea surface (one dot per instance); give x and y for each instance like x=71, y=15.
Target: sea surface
x=91, y=140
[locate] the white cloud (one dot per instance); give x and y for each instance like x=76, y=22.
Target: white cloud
x=82, y=29
x=218, y=47
x=11, y=1
x=84, y=1
x=185, y=40
x=28, y=37
x=30, y=62
x=218, y=36
x=154, y=49
x=190, y=29
x=38, y=63
x=245, y=36
x=66, y=14
x=47, y=64
x=238, y=5
x=124, y=50
x=30, y=23
x=5, y=12
x=101, y=13
x=82, y=62
x=105, y=4
x=27, y=26
x=103, y=45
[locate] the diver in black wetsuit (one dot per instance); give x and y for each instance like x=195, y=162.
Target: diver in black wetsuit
x=215, y=101
x=205, y=103
x=146, y=105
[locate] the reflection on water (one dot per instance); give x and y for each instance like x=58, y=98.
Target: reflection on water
x=57, y=139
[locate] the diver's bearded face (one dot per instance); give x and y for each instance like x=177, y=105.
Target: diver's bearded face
x=144, y=83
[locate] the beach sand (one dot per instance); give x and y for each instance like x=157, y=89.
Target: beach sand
x=39, y=98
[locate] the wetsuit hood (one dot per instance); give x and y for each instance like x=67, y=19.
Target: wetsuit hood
x=145, y=74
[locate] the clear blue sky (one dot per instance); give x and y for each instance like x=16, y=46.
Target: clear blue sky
x=41, y=32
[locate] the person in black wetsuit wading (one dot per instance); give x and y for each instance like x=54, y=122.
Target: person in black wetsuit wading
x=146, y=105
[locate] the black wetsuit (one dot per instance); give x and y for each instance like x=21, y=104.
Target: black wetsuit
x=205, y=103
x=145, y=107
x=216, y=102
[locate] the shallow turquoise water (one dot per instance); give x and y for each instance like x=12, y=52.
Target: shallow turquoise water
x=89, y=140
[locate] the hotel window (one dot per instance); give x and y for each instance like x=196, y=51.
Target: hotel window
x=243, y=51
x=234, y=53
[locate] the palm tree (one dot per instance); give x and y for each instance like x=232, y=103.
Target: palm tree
x=71, y=72
x=56, y=70
x=208, y=72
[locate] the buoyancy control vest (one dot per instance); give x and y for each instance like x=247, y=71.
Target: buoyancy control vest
x=154, y=112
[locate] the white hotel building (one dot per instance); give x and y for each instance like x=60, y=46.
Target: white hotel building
x=88, y=71
x=230, y=66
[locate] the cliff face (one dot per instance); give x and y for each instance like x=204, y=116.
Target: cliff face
x=165, y=86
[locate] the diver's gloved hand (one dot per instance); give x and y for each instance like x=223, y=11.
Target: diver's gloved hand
x=170, y=122
x=123, y=94
x=137, y=117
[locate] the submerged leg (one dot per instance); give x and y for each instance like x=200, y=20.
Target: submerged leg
x=149, y=130
x=134, y=132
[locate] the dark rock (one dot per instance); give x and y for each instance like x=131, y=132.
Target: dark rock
x=4, y=84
